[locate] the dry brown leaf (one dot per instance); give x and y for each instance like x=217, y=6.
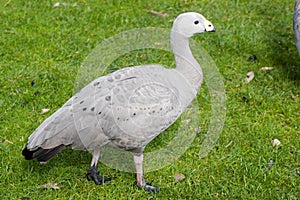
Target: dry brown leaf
x=266, y=68
x=179, y=177
x=250, y=76
x=153, y=12
x=275, y=142
x=294, y=97
x=49, y=186
x=45, y=110
x=57, y=4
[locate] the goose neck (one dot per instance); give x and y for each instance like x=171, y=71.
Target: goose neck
x=186, y=64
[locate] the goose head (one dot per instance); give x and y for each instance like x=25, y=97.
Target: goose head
x=190, y=23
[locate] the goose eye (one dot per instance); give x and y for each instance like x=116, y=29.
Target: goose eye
x=196, y=22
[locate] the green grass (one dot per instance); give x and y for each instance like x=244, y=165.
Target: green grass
x=46, y=45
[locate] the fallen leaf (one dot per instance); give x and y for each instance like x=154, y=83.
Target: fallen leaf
x=49, y=186
x=294, y=97
x=275, y=142
x=250, y=76
x=153, y=12
x=45, y=110
x=179, y=177
x=56, y=4
x=266, y=68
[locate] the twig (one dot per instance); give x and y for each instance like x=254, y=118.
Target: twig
x=7, y=3
x=153, y=12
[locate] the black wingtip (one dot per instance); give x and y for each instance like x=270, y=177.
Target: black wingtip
x=27, y=154
x=42, y=155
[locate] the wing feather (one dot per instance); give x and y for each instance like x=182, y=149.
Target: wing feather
x=127, y=109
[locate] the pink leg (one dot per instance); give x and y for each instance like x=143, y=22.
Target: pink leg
x=92, y=174
x=138, y=160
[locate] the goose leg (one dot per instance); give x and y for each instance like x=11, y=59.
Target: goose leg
x=140, y=180
x=93, y=173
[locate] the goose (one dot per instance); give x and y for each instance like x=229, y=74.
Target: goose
x=296, y=23
x=127, y=108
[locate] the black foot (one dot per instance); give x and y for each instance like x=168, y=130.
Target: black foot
x=150, y=188
x=93, y=174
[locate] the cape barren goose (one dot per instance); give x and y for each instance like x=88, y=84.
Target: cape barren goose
x=127, y=108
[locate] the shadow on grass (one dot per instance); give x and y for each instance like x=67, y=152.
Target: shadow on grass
x=283, y=53
x=66, y=159
x=72, y=163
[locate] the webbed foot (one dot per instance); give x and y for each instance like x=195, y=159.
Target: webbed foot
x=150, y=188
x=93, y=175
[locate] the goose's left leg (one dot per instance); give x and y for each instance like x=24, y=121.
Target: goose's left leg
x=93, y=173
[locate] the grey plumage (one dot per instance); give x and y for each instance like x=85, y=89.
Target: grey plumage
x=127, y=108
x=296, y=23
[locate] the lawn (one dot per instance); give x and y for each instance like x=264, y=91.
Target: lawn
x=43, y=46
